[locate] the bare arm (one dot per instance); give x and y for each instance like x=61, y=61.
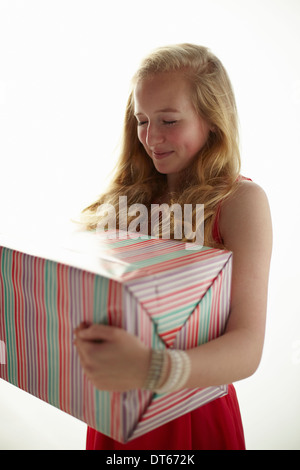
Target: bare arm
x=245, y=226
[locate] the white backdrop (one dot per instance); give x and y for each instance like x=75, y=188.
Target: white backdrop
x=65, y=68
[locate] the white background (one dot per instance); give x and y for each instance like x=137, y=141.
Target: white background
x=65, y=68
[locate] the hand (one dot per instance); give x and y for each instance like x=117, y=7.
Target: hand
x=112, y=358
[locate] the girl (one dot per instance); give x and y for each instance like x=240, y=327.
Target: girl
x=181, y=145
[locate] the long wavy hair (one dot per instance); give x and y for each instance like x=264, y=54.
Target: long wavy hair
x=214, y=172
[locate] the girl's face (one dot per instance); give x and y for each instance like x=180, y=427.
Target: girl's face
x=169, y=128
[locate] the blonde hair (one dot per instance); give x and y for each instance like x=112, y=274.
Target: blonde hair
x=213, y=174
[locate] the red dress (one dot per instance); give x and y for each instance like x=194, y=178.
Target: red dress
x=214, y=426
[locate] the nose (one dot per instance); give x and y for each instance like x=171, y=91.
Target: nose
x=154, y=135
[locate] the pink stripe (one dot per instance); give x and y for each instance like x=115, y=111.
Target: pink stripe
x=170, y=264
x=181, y=294
x=160, y=405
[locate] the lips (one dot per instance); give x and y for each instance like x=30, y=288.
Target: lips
x=161, y=155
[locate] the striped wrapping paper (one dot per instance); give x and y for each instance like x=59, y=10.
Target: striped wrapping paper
x=167, y=295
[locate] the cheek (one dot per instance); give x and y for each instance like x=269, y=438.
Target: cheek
x=197, y=139
x=177, y=137
x=187, y=140
x=142, y=133
x=189, y=137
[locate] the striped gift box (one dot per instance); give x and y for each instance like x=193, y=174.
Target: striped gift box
x=167, y=295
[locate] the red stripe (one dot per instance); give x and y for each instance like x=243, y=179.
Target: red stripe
x=37, y=324
x=114, y=307
x=214, y=318
x=145, y=243
x=38, y=296
x=168, y=265
x=159, y=253
x=63, y=340
x=115, y=414
x=19, y=317
x=169, y=336
x=180, y=295
x=43, y=328
x=162, y=405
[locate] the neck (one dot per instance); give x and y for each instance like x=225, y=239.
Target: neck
x=172, y=182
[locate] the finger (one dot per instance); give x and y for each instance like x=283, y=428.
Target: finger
x=97, y=332
x=86, y=351
x=82, y=326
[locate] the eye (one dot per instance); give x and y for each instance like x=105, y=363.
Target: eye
x=141, y=123
x=169, y=123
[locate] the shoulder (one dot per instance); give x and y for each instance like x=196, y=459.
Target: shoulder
x=246, y=197
x=245, y=216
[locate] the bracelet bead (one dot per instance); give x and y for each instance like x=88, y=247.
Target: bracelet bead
x=157, y=362
x=179, y=370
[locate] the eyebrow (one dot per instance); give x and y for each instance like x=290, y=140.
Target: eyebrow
x=165, y=110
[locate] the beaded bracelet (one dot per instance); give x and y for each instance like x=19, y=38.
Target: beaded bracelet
x=158, y=363
x=180, y=368
x=179, y=372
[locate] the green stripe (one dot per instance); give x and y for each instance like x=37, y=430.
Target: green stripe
x=101, y=285
x=101, y=399
x=173, y=318
x=205, y=307
x=102, y=410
